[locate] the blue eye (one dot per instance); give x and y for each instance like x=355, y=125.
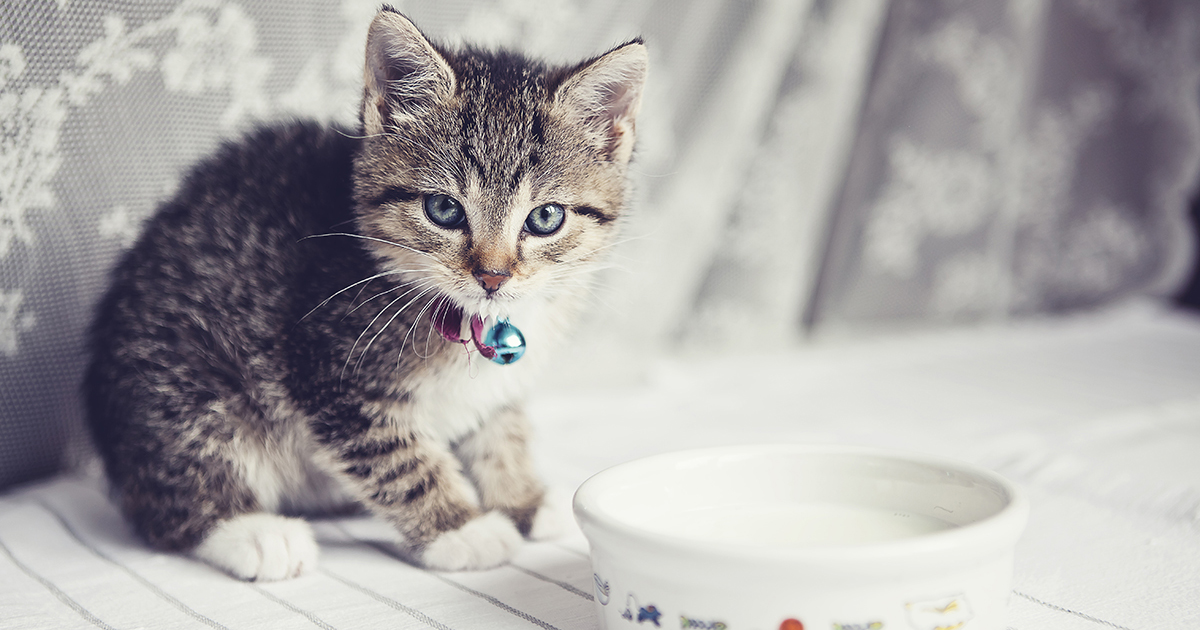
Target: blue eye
x=545, y=219
x=445, y=211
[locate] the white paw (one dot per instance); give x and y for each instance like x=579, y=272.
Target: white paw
x=260, y=547
x=483, y=542
x=548, y=522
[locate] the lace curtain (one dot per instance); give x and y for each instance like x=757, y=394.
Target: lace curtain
x=803, y=165
x=1017, y=158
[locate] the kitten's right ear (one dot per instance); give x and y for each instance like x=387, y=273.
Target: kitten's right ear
x=405, y=74
x=602, y=97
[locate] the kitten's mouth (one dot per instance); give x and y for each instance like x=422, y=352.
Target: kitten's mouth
x=453, y=325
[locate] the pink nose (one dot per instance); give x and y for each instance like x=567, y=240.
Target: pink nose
x=491, y=282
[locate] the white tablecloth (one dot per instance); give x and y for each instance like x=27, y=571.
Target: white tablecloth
x=1097, y=417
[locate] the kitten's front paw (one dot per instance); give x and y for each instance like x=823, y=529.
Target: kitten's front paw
x=260, y=547
x=483, y=542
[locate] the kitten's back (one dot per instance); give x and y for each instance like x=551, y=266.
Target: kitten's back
x=200, y=304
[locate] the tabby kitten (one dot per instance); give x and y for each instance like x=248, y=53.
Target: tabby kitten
x=300, y=329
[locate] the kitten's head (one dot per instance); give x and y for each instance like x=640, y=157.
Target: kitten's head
x=494, y=177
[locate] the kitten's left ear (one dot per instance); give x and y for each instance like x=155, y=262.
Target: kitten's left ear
x=404, y=75
x=603, y=96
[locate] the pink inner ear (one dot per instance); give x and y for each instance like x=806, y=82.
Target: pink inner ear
x=606, y=95
x=614, y=107
x=618, y=98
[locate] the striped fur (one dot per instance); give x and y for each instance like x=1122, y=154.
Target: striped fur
x=266, y=346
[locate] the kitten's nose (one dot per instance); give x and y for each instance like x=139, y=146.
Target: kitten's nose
x=490, y=280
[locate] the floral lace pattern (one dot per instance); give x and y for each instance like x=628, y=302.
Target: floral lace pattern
x=801, y=164
x=1030, y=159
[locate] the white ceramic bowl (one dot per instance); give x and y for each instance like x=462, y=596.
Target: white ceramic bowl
x=793, y=537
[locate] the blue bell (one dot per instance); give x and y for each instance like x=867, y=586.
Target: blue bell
x=507, y=340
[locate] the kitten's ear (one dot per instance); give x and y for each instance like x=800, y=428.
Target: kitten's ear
x=603, y=96
x=404, y=75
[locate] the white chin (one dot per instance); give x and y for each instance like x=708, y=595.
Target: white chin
x=491, y=308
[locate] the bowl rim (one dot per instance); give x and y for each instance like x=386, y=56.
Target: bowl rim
x=995, y=533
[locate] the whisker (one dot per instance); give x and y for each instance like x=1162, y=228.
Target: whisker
x=582, y=270
x=439, y=311
x=389, y=323
x=347, y=288
x=368, y=238
x=362, y=137
x=366, y=329
x=385, y=292
x=416, y=321
x=357, y=296
x=615, y=243
x=380, y=294
x=597, y=297
x=581, y=278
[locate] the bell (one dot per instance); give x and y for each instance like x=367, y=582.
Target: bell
x=507, y=340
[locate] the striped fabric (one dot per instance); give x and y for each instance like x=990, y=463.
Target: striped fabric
x=67, y=560
x=1098, y=419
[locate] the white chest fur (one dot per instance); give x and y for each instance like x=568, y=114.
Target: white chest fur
x=456, y=400
x=451, y=402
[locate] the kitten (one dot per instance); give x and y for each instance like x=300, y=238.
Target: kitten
x=300, y=328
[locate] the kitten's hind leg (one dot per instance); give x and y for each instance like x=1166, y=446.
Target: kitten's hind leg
x=260, y=546
x=190, y=492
